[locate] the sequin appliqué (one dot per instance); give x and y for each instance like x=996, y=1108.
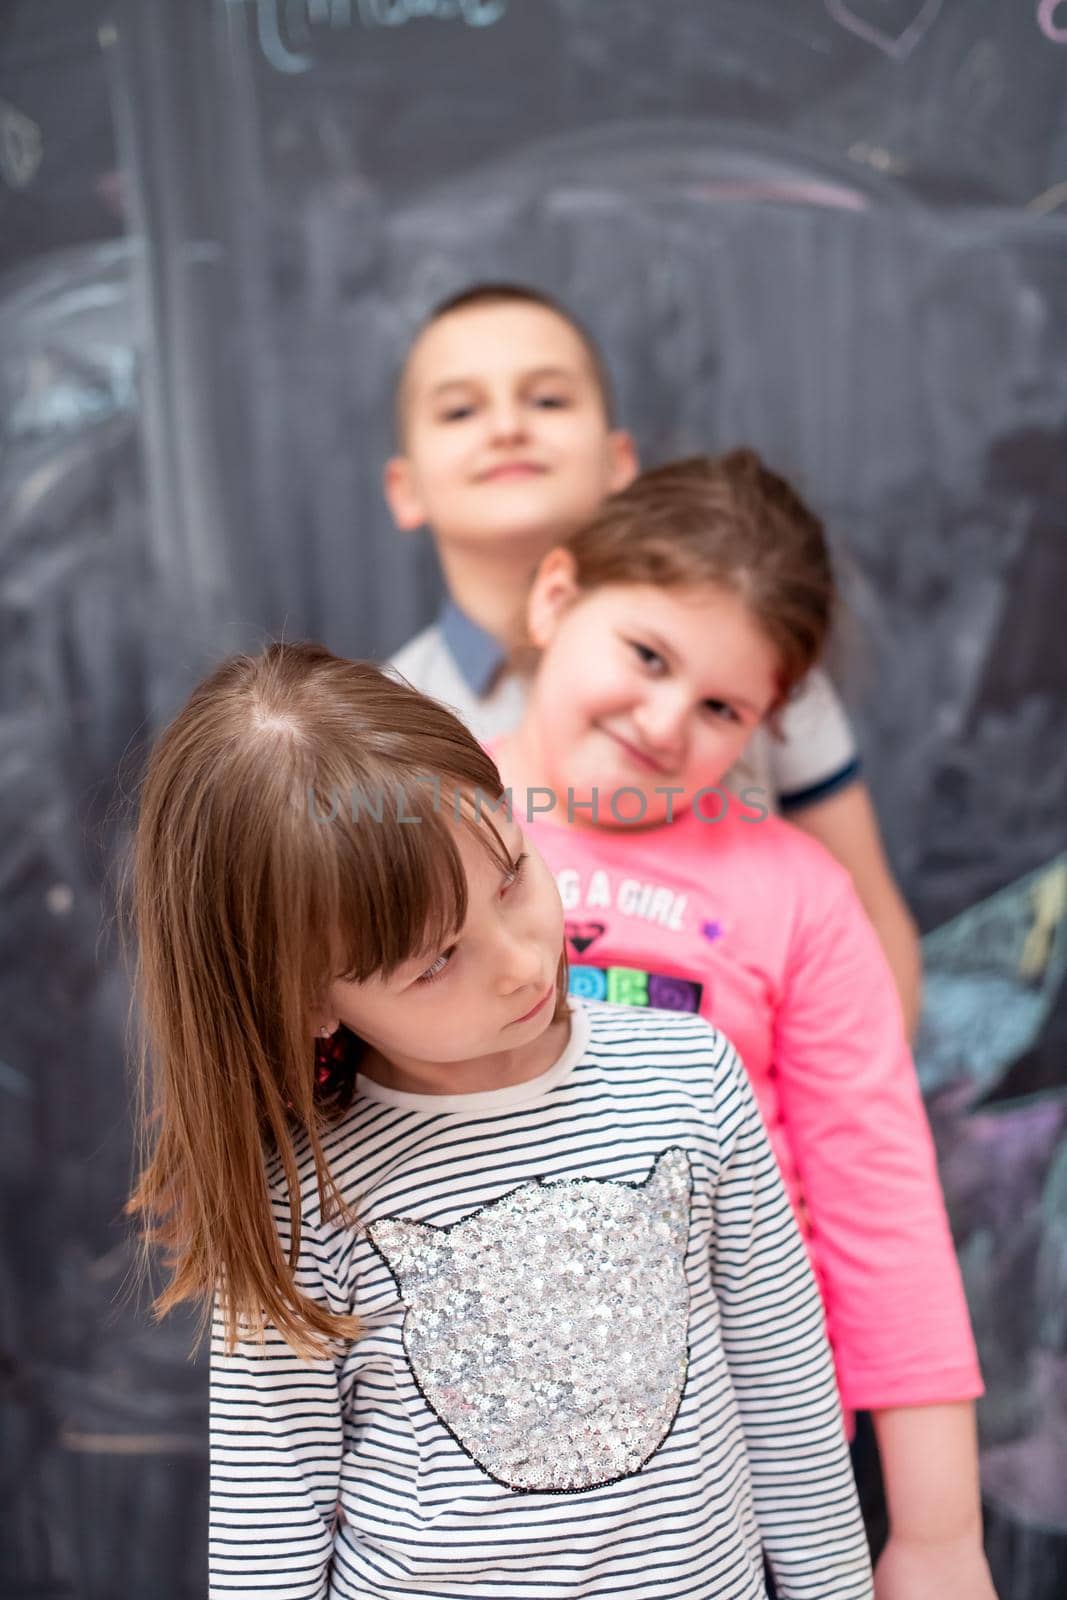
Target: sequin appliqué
x=549, y=1330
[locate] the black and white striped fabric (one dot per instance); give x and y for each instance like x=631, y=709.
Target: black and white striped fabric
x=359, y=1476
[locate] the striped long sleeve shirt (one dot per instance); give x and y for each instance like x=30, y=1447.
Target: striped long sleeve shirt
x=593, y=1359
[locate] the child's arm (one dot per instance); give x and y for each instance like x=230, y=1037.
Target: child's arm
x=276, y=1441
x=845, y=822
x=855, y=1123
x=930, y=1469
x=780, y=1367
x=815, y=771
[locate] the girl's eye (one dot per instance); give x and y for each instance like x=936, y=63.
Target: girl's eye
x=435, y=969
x=514, y=875
x=646, y=656
x=551, y=402
x=444, y=960
x=455, y=413
x=721, y=711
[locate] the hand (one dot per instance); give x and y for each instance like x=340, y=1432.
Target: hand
x=932, y=1571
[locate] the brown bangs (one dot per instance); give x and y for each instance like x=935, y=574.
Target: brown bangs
x=399, y=889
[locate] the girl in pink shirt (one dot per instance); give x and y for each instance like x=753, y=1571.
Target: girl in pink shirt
x=670, y=628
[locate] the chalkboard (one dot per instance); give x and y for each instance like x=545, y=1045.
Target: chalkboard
x=834, y=229
x=59, y=183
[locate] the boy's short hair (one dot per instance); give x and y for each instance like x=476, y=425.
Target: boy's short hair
x=502, y=293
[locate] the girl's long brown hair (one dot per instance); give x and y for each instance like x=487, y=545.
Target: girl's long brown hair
x=271, y=856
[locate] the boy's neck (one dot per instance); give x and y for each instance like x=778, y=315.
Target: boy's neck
x=491, y=587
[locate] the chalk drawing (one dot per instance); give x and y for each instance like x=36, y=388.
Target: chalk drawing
x=809, y=193
x=1046, y=21
x=990, y=979
x=877, y=156
x=979, y=83
x=21, y=147
x=898, y=46
x=1049, y=199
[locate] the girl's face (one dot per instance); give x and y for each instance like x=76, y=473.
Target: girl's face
x=477, y=1014
x=641, y=687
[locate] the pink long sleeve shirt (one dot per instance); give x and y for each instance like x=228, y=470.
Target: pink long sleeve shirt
x=753, y=925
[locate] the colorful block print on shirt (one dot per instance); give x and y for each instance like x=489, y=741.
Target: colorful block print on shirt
x=629, y=986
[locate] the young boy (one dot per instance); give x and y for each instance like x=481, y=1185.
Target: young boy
x=507, y=444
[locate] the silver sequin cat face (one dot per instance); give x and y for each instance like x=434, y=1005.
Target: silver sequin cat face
x=549, y=1331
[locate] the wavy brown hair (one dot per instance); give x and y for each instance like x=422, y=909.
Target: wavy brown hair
x=726, y=520
x=270, y=858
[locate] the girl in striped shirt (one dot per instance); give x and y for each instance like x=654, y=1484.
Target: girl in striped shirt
x=521, y=1308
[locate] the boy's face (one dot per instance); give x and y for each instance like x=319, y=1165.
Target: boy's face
x=505, y=432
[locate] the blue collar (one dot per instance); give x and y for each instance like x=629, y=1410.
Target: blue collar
x=477, y=654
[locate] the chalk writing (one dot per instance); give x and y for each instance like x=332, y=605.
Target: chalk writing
x=286, y=28
x=21, y=147
x=917, y=19
x=391, y=13
x=1046, y=21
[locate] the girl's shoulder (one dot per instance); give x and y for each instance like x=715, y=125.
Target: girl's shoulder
x=714, y=830
x=767, y=847
x=759, y=856
x=672, y=1063
x=341, y=1137
x=626, y=1037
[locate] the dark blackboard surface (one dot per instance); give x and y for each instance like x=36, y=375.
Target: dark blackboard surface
x=962, y=103
x=59, y=183
x=837, y=231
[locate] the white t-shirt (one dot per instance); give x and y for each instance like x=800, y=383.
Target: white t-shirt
x=430, y=665
x=594, y=1361
x=458, y=663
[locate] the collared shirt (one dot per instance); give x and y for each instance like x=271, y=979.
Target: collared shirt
x=466, y=668
x=459, y=663
x=478, y=654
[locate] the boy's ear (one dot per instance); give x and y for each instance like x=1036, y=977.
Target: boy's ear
x=554, y=591
x=401, y=494
x=623, y=465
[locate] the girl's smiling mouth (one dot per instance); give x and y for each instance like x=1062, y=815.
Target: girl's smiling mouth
x=636, y=754
x=549, y=992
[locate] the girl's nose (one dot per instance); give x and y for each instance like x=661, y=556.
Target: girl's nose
x=521, y=963
x=662, y=720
